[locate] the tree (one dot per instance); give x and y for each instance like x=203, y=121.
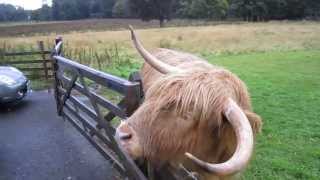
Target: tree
x=42, y=14
x=70, y=9
x=12, y=13
x=312, y=9
x=107, y=7
x=96, y=9
x=204, y=9
x=256, y=10
x=153, y=9
x=83, y=8
x=250, y=10
x=55, y=10
x=276, y=9
x=122, y=9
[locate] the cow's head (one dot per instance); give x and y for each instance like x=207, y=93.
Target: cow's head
x=182, y=114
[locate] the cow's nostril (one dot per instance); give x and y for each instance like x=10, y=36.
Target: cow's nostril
x=125, y=136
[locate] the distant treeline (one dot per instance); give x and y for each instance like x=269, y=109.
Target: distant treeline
x=248, y=10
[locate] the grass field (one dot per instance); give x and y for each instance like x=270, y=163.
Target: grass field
x=223, y=38
x=35, y=28
x=279, y=61
x=285, y=90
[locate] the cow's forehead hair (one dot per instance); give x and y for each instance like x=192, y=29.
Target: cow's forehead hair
x=200, y=93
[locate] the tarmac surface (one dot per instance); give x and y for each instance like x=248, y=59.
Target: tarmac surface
x=36, y=144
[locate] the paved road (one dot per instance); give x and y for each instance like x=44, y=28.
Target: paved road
x=36, y=144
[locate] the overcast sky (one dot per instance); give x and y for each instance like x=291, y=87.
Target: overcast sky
x=26, y=4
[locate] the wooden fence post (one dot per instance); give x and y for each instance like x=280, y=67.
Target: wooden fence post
x=56, y=82
x=41, y=47
x=1, y=54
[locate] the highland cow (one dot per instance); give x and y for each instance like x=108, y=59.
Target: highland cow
x=194, y=113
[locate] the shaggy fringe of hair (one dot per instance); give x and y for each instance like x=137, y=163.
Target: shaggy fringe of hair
x=201, y=93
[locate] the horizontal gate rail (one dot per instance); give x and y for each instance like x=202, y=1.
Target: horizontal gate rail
x=89, y=120
x=27, y=62
x=25, y=53
x=33, y=69
x=107, y=80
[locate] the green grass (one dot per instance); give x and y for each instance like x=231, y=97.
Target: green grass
x=37, y=85
x=285, y=89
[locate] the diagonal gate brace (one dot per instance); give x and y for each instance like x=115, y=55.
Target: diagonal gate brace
x=68, y=92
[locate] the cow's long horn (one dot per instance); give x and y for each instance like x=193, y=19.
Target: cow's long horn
x=150, y=59
x=241, y=157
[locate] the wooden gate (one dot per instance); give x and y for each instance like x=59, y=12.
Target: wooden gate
x=72, y=86
x=72, y=83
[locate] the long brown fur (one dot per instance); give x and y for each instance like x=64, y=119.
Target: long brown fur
x=184, y=112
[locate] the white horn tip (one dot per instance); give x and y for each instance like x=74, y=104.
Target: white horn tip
x=190, y=156
x=193, y=158
x=131, y=28
x=133, y=35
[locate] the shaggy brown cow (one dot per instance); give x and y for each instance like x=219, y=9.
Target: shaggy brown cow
x=191, y=109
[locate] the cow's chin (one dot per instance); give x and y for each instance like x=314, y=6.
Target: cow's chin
x=130, y=145
x=133, y=150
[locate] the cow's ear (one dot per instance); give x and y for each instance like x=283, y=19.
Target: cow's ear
x=255, y=121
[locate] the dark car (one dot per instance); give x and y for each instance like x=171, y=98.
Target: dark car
x=13, y=85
